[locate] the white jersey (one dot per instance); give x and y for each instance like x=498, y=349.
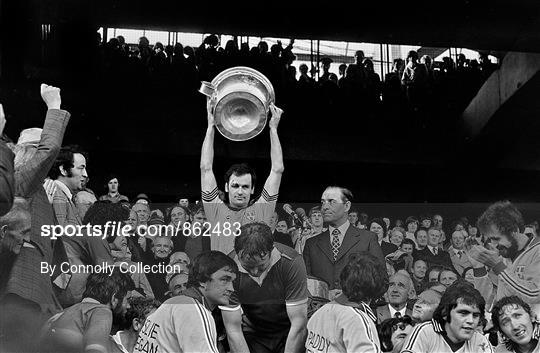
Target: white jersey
x=521, y=278
x=180, y=325
x=428, y=337
x=226, y=221
x=341, y=328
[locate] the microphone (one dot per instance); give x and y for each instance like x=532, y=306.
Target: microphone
x=288, y=208
x=302, y=214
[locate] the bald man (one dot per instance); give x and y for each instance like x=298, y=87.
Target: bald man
x=399, y=287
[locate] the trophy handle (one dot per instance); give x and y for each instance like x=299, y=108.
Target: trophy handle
x=208, y=89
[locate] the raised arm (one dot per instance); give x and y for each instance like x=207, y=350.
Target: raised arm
x=276, y=155
x=208, y=180
x=7, y=183
x=30, y=176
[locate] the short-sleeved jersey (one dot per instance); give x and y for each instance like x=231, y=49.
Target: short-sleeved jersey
x=429, y=337
x=341, y=329
x=82, y=326
x=220, y=215
x=181, y=324
x=265, y=305
x=521, y=278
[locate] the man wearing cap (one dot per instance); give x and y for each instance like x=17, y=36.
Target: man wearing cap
x=226, y=218
x=28, y=295
x=7, y=183
x=142, y=198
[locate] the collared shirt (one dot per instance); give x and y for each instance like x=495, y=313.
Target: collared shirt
x=117, y=340
x=394, y=311
x=64, y=189
x=265, y=305
x=342, y=230
x=433, y=251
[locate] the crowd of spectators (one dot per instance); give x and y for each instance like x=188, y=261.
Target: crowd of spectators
x=364, y=282
x=416, y=87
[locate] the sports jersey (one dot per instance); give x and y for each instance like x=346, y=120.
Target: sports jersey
x=264, y=299
x=221, y=216
x=507, y=348
x=521, y=278
x=429, y=337
x=181, y=324
x=342, y=328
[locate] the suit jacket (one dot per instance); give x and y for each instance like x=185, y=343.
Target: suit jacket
x=459, y=263
x=7, y=181
x=65, y=210
x=442, y=258
x=80, y=250
x=387, y=248
x=25, y=278
x=319, y=258
x=383, y=313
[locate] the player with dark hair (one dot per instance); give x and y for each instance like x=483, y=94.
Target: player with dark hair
x=184, y=323
x=502, y=223
x=272, y=292
x=513, y=317
x=239, y=185
x=453, y=327
x=347, y=324
x=85, y=326
x=139, y=308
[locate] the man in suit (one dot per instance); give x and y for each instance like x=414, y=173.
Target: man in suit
x=7, y=184
x=28, y=297
x=327, y=254
x=398, y=291
x=432, y=254
x=458, y=256
x=69, y=173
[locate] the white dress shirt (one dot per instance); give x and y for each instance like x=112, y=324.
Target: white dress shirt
x=394, y=311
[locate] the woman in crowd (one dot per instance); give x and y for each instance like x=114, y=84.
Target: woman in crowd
x=378, y=226
x=396, y=237
x=411, y=224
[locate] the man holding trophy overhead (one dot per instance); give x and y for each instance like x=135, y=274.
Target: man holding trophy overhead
x=238, y=102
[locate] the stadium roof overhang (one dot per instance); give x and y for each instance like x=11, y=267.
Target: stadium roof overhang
x=494, y=25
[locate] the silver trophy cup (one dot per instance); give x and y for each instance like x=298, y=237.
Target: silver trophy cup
x=240, y=98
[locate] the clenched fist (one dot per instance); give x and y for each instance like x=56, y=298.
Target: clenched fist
x=51, y=96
